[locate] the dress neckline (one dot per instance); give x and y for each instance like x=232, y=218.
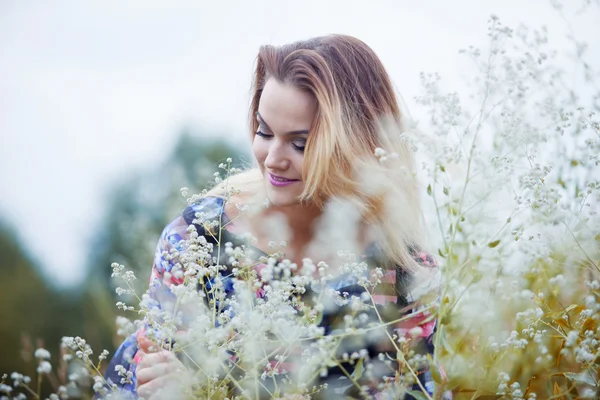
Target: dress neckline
x=369, y=252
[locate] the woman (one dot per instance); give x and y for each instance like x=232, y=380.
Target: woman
x=325, y=126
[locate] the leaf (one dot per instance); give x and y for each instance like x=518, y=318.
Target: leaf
x=580, y=225
x=557, y=391
x=494, y=243
x=446, y=190
x=446, y=320
x=562, y=323
x=441, y=254
x=588, y=324
x=417, y=394
x=358, y=370
x=442, y=168
x=597, y=238
x=576, y=307
x=562, y=346
x=429, y=189
x=582, y=377
x=434, y=370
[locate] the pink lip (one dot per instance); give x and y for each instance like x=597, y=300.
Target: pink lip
x=280, y=181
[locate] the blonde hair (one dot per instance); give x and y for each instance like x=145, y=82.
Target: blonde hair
x=357, y=116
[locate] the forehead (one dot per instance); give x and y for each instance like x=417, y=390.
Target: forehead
x=285, y=108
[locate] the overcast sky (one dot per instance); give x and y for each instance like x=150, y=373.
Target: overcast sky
x=90, y=90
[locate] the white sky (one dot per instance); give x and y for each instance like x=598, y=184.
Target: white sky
x=90, y=90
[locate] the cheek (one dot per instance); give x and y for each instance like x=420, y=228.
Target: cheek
x=260, y=150
x=298, y=162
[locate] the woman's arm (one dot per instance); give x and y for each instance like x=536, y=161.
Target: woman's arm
x=166, y=272
x=122, y=369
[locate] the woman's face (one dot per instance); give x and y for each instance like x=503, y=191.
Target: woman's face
x=285, y=115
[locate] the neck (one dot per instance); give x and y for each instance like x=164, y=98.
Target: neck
x=300, y=220
x=298, y=227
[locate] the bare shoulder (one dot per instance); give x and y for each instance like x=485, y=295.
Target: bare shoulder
x=234, y=205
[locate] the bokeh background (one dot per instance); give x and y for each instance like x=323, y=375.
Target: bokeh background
x=108, y=108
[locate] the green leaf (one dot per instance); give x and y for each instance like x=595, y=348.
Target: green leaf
x=417, y=394
x=446, y=191
x=435, y=372
x=358, y=370
x=441, y=254
x=429, y=189
x=442, y=168
x=494, y=243
x=597, y=238
x=582, y=377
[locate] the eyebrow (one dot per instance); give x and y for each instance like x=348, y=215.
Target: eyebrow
x=261, y=120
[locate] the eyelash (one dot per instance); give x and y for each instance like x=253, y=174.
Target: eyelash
x=267, y=137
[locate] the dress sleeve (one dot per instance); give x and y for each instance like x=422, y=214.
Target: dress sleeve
x=166, y=272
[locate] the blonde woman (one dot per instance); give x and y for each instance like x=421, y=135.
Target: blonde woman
x=325, y=133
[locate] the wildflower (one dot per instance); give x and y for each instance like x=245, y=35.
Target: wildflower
x=103, y=355
x=572, y=339
x=98, y=384
x=124, y=326
x=416, y=331
x=516, y=391
x=19, y=378
x=42, y=354
x=44, y=367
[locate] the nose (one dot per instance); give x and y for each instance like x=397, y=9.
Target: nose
x=277, y=158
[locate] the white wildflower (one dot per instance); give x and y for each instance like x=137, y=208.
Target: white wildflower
x=42, y=354
x=44, y=367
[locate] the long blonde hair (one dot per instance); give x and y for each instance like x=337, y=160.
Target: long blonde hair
x=358, y=123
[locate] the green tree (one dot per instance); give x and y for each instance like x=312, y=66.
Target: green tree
x=138, y=209
x=34, y=314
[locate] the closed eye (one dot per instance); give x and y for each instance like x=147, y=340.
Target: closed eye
x=264, y=135
x=299, y=144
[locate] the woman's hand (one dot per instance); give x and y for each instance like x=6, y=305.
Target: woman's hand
x=160, y=375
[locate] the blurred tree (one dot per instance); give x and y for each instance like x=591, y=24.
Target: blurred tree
x=33, y=313
x=36, y=314
x=138, y=209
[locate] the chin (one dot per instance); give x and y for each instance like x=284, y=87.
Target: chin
x=282, y=199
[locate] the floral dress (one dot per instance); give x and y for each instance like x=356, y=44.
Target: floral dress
x=390, y=296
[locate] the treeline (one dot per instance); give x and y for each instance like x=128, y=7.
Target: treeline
x=35, y=313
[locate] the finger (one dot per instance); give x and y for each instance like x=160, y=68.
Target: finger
x=146, y=345
x=164, y=387
x=148, y=360
x=156, y=371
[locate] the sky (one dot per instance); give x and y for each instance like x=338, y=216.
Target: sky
x=91, y=91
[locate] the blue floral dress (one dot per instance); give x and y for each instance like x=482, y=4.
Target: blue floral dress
x=390, y=296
